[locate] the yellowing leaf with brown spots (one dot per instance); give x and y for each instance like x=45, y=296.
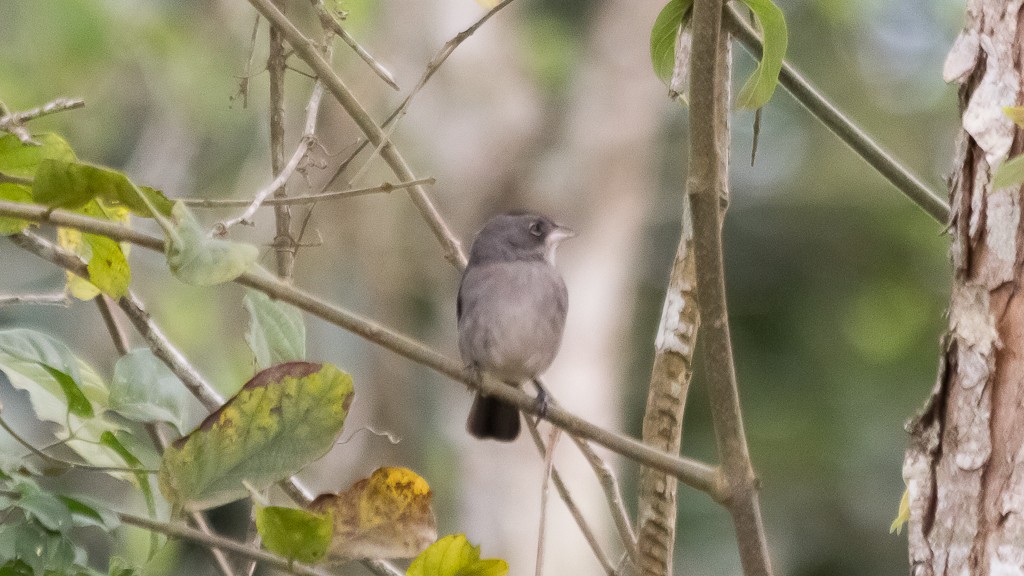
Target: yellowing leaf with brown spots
x=387, y=515
x=284, y=418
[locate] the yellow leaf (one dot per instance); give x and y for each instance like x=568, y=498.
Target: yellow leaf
x=71, y=239
x=488, y=3
x=387, y=515
x=1015, y=113
x=903, y=515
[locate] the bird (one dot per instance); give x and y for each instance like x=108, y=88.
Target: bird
x=511, y=311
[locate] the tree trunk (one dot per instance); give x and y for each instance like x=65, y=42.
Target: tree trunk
x=965, y=465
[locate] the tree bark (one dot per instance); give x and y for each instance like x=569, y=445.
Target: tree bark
x=964, y=468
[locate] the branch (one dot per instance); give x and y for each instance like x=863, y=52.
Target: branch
x=213, y=541
x=843, y=127
x=570, y=504
x=55, y=299
x=691, y=472
x=14, y=123
x=307, y=50
x=330, y=23
x=432, y=67
x=307, y=199
x=613, y=494
x=117, y=334
x=154, y=337
x=666, y=404
x=706, y=184
x=284, y=244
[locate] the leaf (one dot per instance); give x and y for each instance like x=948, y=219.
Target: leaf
x=44, y=507
x=284, y=418
x=14, y=193
x=277, y=332
x=112, y=442
x=91, y=514
x=387, y=515
x=453, y=555
x=1015, y=113
x=1009, y=173
x=663, y=37
x=760, y=86
x=49, y=372
x=293, y=533
x=107, y=259
x=902, y=515
x=145, y=390
x=78, y=404
x=64, y=184
x=197, y=259
x=22, y=160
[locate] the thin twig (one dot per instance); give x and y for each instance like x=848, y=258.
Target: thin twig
x=117, y=334
x=329, y=22
x=841, y=126
x=549, y=463
x=706, y=184
x=613, y=495
x=64, y=464
x=219, y=542
x=14, y=122
x=386, y=187
x=689, y=471
x=54, y=299
x=570, y=504
x=307, y=50
x=432, y=67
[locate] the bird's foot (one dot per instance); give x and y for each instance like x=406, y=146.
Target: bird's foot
x=542, y=402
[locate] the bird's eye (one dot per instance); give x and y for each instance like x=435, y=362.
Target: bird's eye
x=536, y=229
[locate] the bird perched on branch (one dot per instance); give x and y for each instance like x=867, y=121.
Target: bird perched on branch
x=511, y=312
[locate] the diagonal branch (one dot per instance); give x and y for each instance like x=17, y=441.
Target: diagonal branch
x=14, y=122
x=833, y=119
x=706, y=185
x=307, y=50
x=386, y=187
x=689, y=471
x=329, y=22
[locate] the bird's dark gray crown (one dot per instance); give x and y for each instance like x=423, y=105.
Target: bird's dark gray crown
x=512, y=236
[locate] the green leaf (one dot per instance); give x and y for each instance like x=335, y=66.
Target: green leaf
x=295, y=534
x=78, y=404
x=758, y=89
x=64, y=184
x=663, y=37
x=284, y=418
x=453, y=555
x=14, y=193
x=112, y=442
x=145, y=390
x=46, y=508
x=53, y=377
x=277, y=332
x=91, y=514
x=22, y=160
x=197, y=259
x=1009, y=173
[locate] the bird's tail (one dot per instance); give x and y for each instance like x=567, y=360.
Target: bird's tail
x=492, y=418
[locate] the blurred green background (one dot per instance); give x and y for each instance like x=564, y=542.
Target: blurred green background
x=837, y=283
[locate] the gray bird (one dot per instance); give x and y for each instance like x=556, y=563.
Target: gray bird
x=511, y=312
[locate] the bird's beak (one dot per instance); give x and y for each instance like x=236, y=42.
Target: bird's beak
x=554, y=238
x=558, y=234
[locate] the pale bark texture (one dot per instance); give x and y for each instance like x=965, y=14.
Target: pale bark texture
x=965, y=465
x=663, y=418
